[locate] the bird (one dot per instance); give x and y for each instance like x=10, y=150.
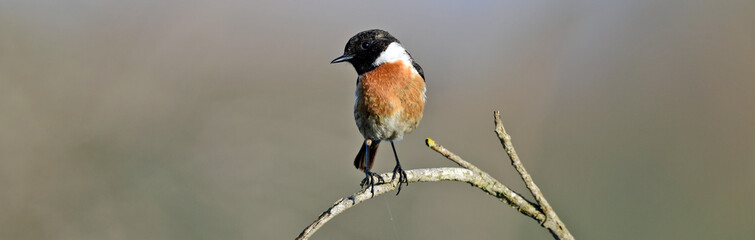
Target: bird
x=390, y=97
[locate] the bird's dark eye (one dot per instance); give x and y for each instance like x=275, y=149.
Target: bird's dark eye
x=365, y=45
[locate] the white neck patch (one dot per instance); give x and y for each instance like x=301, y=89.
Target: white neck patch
x=393, y=53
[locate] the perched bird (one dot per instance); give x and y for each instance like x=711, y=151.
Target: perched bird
x=390, y=96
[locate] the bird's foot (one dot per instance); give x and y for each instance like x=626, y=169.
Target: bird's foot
x=401, y=177
x=370, y=180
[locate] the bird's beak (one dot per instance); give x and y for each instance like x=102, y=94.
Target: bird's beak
x=342, y=59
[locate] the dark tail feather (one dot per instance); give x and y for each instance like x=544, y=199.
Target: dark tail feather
x=359, y=160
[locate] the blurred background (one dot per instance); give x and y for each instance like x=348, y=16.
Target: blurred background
x=225, y=120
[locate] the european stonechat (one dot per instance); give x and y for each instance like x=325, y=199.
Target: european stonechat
x=390, y=96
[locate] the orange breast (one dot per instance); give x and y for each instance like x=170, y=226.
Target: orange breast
x=391, y=96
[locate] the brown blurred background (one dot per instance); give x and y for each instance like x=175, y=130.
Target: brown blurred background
x=225, y=120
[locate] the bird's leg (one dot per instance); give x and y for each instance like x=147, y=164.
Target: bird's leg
x=370, y=177
x=398, y=170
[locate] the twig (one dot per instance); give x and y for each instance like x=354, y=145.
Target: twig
x=507, y=196
x=552, y=222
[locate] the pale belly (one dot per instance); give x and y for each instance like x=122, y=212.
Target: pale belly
x=385, y=127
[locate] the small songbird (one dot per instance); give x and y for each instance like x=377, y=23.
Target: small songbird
x=390, y=96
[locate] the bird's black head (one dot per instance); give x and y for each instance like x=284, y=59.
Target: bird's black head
x=365, y=48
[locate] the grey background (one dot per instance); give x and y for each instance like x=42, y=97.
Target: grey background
x=224, y=120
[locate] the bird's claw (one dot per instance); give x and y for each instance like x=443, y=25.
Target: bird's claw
x=401, y=177
x=370, y=180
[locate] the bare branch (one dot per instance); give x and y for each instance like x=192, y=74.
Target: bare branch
x=482, y=181
x=540, y=211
